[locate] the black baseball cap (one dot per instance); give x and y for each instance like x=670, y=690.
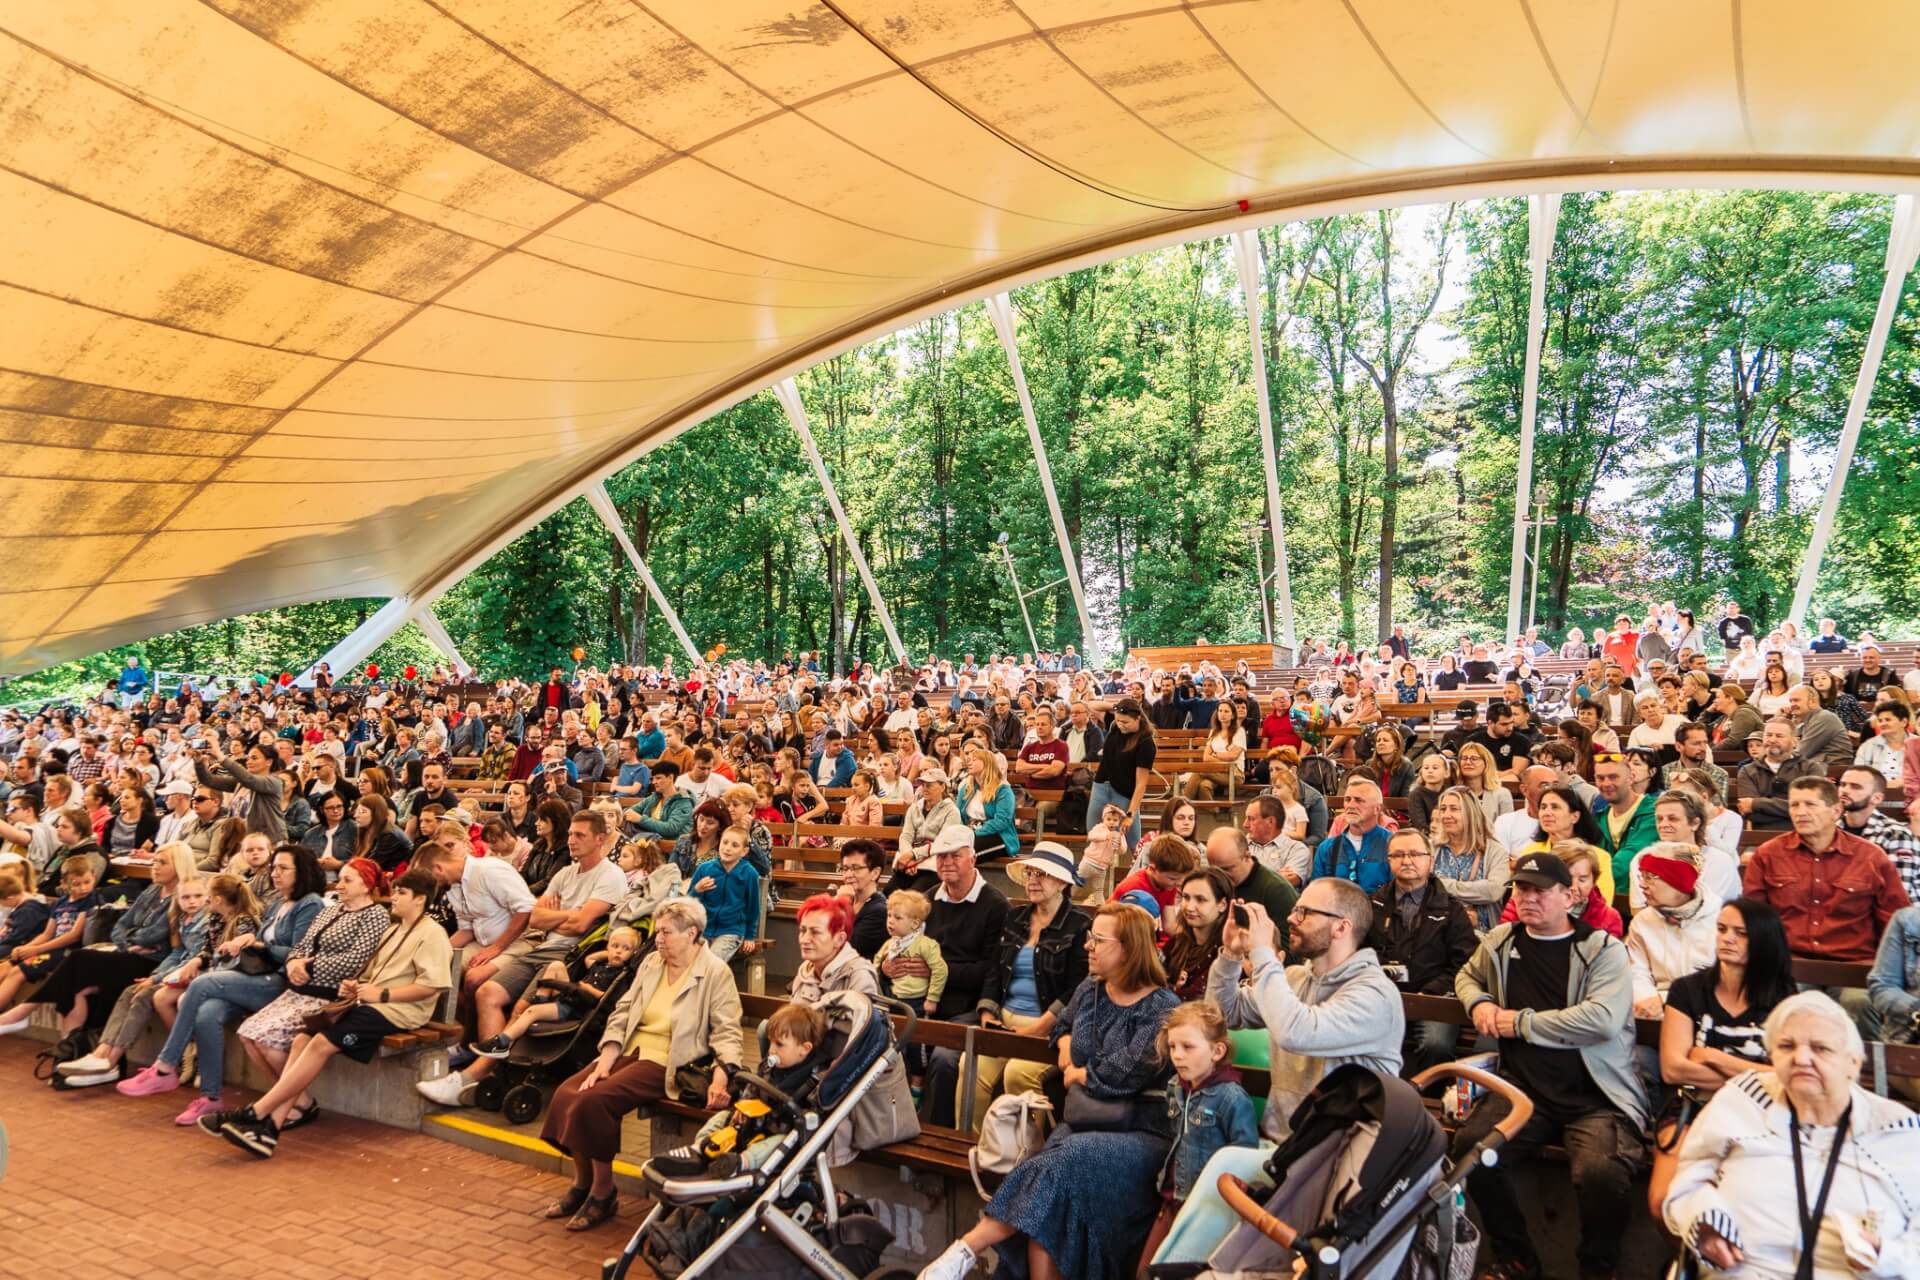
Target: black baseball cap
x=1467, y=709
x=1541, y=870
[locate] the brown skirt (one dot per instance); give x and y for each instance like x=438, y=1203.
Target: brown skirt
x=588, y=1124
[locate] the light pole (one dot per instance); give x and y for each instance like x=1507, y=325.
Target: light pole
x=1258, y=531
x=1539, y=523
x=1033, y=642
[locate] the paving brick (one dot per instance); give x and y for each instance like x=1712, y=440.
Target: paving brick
x=342, y=1198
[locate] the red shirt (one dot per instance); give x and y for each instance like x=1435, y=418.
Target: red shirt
x=1050, y=752
x=1141, y=880
x=1277, y=731
x=1620, y=649
x=1835, y=905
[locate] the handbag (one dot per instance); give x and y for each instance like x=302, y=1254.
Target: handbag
x=254, y=962
x=1015, y=1127
x=1142, y=1113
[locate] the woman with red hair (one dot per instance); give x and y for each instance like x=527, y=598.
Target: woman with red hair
x=827, y=963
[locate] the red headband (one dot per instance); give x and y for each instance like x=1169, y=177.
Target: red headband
x=1681, y=875
x=370, y=874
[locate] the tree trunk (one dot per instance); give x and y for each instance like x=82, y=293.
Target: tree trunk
x=642, y=522
x=1389, y=498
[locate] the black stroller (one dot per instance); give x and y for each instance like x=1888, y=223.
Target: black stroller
x=1365, y=1172
x=521, y=1084
x=785, y=1217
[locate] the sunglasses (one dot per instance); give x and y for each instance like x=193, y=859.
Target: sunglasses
x=1609, y=757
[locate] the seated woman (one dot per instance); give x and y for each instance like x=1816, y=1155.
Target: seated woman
x=334, y=836
x=827, y=963
x=682, y=1010
x=1675, y=934
x=548, y=854
x=334, y=949
x=985, y=802
x=375, y=837
x=1753, y=1142
x=92, y=978
x=1713, y=1026
x=1193, y=929
x=66, y=925
x=1467, y=860
x=397, y=989
x=132, y=826
x=256, y=977
x=1083, y=1204
x=230, y=911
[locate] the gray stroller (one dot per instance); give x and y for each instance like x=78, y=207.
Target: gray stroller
x=785, y=1217
x=1365, y=1177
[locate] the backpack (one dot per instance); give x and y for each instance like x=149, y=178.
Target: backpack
x=1323, y=774
x=1015, y=1127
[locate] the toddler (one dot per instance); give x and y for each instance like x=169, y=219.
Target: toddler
x=1206, y=1104
x=66, y=925
x=577, y=999
x=729, y=888
x=907, y=911
x=743, y=1137
x=27, y=915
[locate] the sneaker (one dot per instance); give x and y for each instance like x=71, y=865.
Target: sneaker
x=252, y=1134
x=955, y=1264
x=681, y=1162
x=496, y=1048
x=200, y=1106
x=92, y=1064
x=152, y=1080
x=91, y=1079
x=460, y=1058
x=445, y=1091
x=210, y=1122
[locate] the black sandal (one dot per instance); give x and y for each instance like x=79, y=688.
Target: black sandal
x=301, y=1116
x=594, y=1212
x=567, y=1205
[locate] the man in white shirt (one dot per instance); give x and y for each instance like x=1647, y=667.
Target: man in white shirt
x=700, y=781
x=903, y=716
x=1655, y=729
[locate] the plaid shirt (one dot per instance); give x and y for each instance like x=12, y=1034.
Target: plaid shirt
x=1900, y=845
x=83, y=770
x=497, y=762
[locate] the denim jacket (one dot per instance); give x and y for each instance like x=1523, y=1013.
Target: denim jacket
x=1893, y=985
x=1217, y=1114
x=193, y=940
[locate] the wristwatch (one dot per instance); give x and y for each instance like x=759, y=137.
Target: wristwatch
x=385, y=994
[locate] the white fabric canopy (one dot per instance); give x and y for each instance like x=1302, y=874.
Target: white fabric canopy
x=319, y=298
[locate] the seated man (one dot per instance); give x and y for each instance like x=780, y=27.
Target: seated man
x=1422, y=934
x=1336, y=1007
x=1761, y=786
x=1359, y=852
x=1558, y=996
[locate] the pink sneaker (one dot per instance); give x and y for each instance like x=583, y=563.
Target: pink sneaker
x=200, y=1106
x=152, y=1080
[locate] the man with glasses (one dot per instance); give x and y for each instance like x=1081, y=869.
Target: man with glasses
x=1337, y=1007
x=25, y=834
x=967, y=920
x=1558, y=996
x=1422, y=935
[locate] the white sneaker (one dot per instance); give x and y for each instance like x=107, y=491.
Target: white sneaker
x=13, y=1028
x=954, y=1264
x=91, y=1079
x=446, y=1090
x=92, y=1064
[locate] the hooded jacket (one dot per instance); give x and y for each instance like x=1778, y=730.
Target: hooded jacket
x=1316, y=1022
x=1597, y=1019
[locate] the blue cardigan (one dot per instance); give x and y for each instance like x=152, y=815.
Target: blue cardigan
x=999, y=819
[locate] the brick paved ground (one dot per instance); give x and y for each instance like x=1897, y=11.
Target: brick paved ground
x=97, y=1185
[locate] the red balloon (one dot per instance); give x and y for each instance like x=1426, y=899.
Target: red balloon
x=410, y=672
x=373, y=671
x=285, y=678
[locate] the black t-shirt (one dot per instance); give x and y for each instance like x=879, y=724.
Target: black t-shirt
x=1118, y=762
x=1448, y=681
x=1732, y=629
x=1503, y=749
x=1556, y=1079
x=1715, y=1028
x=1480, y=671
x=1865, y=687
x=870, y=926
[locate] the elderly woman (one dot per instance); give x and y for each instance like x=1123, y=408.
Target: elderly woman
x=827, y=963
x=927, y=816
x=1808, y=1132
x=395, y=989
x=681, y=1014
x=1675, y=933
x=1083, y=1204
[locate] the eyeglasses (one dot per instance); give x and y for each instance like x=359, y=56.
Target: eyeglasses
x=1301, y=911
x=1407, y=855
x=1096, y=939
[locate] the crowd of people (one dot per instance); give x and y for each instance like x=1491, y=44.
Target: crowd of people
x=1656, y=838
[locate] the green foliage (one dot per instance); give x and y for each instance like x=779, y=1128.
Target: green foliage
x=1693, y=341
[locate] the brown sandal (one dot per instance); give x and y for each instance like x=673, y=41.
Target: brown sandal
x=567, y=1205
x=594, y=1212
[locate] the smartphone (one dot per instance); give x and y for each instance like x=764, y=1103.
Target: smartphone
x=1241, y=919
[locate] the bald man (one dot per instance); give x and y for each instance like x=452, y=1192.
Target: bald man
x=1358, y=853
x=1516, y=830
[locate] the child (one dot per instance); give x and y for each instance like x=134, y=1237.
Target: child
x=907, y=912
x=729, y=888
x=763, y=806
x=651, y=880
x=577, y=999
x=66, y=925
x=27, y=914
x=188, y=923
x=743, y=1136
x=1207, y=1106
x=1106, y=848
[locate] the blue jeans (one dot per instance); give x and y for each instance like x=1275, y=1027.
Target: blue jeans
x=725, y=947
x=208, y=1004
x=1104, y=795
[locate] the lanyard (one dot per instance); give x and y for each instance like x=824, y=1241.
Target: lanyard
x=1810, y=1222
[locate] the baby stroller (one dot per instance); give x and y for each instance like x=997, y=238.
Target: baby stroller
x=1365, y=1173
x=540, y=1061
x=784, y=1218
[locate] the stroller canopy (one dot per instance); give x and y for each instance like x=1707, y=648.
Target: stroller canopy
x=1393, y=1145
x=858, y=1035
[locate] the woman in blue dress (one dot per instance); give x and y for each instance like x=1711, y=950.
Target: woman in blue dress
x=1082, y=1205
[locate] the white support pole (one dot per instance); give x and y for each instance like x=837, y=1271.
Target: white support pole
x=1000, y=308
x=1543, y=216
x=1903, y=244
x=1246, y=256
x=789, y=394
x=610, y=516
x=359, y=644
x=429, y=623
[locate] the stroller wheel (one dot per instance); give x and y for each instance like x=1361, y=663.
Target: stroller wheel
x=523, y=1103
x=489, y=1094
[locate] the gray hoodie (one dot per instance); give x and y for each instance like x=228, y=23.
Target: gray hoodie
x=1597, y=1019
x=1315, y=1022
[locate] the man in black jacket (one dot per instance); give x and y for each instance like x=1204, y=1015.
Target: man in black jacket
x=1760, y=788
x=967, y=920
x=1422, y=935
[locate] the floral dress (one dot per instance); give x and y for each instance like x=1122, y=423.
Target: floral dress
x=338, y=945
